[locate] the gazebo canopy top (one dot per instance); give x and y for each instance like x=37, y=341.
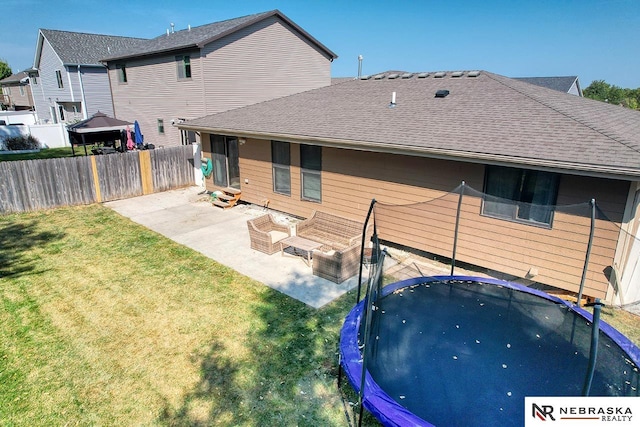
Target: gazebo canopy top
x=99, y=122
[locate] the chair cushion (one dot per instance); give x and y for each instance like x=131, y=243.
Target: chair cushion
x=276, y=235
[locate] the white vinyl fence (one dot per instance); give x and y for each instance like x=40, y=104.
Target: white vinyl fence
x=49, y=135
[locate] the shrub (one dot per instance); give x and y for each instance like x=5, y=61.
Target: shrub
x=22, y=143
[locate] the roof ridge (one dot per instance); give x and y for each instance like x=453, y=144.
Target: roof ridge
x=191, y=28
x=540, y=101
x=92, y=34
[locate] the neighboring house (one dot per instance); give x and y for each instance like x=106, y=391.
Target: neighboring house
x=68, y=81
x=567, y=84
x=338, y=147
x=213, y=68
x=16, y=93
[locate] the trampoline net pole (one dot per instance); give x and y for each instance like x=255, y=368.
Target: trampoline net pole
x=371, y=299
x=455, y=233
x=364, y=238
x=588, y=254
x=593, y=351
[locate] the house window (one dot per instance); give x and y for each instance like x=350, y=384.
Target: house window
x=281, y=161
x=310, y=167
x=520, y=195
x=21, y=90
x=160, y=126
x=183, y=63
x=61, y=110
x=59, y=79
x=122, y=73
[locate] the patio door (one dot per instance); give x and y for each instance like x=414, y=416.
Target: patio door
x=225, y=158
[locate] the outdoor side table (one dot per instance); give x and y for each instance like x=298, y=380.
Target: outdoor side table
x=300, y=243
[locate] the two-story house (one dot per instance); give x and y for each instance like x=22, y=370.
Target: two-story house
x=68, y=81
x=16, y=92
x=212, y=68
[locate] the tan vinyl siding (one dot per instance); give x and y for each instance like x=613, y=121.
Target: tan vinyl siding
x=154, y=92
x=261, y=62
x=19, y=99
x=258, y=63
x=351, y=179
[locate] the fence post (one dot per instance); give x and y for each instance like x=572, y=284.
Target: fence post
x=145, y=171
x=96, y=179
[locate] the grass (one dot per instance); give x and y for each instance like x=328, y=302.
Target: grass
x=45, y=153
x=104, y=322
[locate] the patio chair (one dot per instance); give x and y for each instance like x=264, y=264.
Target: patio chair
x=337, y=265
x=265, y=234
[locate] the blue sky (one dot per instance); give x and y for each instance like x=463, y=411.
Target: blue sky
x=594, y=39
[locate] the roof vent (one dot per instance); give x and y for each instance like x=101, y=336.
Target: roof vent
x=439, y=74
x=473, y=73
x=457, y=74
x=393, y=76
x=442, y=93
x=406, y=76
x=423, y=75
x=379, y=76
x=365, y=77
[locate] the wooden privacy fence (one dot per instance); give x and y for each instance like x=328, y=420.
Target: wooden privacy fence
x=29, y=185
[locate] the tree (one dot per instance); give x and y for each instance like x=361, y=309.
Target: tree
x=5, y=70
x=603, y=91
x=598, y=89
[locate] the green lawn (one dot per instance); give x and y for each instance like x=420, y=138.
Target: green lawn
x=45, y=153
x=104, y=322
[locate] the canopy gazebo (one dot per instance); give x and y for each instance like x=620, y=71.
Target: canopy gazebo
x=99, y=128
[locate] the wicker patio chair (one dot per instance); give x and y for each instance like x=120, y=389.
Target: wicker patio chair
x=265, y=234
x=339, y=265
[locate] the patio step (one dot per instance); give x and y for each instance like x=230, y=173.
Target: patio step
x=228, y=198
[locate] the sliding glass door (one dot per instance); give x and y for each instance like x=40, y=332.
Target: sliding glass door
x=225, y=159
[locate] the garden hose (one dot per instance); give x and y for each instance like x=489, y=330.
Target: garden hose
x=207, y=167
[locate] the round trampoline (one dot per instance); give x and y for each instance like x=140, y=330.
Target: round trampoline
x=455, y=350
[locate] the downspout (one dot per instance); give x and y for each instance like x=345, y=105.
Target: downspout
x=85, y=115
x=113, y=104
x=68, y=70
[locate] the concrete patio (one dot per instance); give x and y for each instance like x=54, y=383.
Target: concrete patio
x=187, y=217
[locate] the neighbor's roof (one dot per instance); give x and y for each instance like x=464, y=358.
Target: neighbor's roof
x=488, y=118
x=197, y=37
x=16, y=78
x=83, y=48
x=561, y=83
x=99, y=122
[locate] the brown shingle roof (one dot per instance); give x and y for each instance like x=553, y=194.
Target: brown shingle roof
x=205, y=34
x=489, y=118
